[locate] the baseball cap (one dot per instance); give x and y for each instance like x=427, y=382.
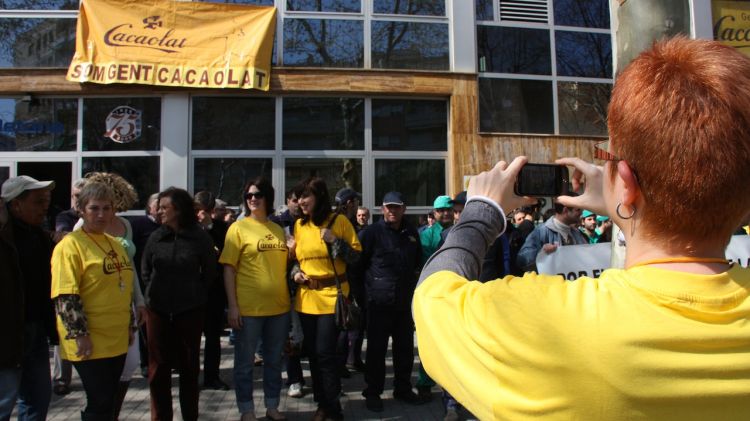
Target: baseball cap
x=587, y=213
x=460, y=198
x=14, y=187
x=393, y=198
x=442, y=202
x=346, y=194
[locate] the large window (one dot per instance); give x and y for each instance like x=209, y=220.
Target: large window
x=225, y=177
x=373, y=145
x=545, y=66
x=409, y=34
x=323, y=123
x=217, y=123
x=121, y=124
x=38, y=124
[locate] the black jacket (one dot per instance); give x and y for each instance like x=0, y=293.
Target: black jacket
x=177, y=269
x=11, y=300
x=390, y=262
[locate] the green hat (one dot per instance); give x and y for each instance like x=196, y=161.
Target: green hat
x=587, y=213
x=602, y=218
x=442, y=202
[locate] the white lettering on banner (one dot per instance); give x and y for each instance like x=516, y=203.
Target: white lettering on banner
x=572, y=262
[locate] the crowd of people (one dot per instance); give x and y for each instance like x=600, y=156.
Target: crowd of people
x=112, y=294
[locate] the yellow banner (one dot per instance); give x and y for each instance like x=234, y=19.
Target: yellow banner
x=170, y=43
x=732, y=24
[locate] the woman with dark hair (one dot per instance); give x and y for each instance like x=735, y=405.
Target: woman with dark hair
x=92, y=287
x=318, y=231
x=255, y=257
x=178, y=265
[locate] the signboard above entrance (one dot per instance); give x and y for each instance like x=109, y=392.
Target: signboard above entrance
x=732, y=24
x=169, y=43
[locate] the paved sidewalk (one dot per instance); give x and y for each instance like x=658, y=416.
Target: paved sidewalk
x=221, y=405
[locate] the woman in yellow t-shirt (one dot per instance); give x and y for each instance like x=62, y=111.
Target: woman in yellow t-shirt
x=92, y=283
x=254, y=258
x=316, y=296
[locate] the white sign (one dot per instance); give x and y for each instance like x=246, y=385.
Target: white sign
x=591, y=260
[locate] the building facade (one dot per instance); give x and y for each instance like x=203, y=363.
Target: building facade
x=377, y=95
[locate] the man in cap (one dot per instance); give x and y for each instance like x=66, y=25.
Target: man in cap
x=430, y=237
x=458, y=206
x=29, y=313
x=390, y=263
x=588, y=226
x=347, y=201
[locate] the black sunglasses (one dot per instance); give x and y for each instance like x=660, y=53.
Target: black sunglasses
x=257, y=195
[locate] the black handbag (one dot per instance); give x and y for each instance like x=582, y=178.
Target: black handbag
x=347, y=314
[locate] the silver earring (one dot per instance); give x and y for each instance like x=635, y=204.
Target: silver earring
x=617, y=211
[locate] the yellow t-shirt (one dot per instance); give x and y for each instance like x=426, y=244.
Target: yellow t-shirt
x=258, y=252
x=312, y=255
x=80, y=267
x=643, y=343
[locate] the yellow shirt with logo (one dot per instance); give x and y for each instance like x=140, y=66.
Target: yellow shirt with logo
x=105, y=284
x=643, y=343
x=258, y=252
x=312, y=254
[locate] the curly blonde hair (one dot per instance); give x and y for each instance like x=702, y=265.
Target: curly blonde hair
x=125, y=194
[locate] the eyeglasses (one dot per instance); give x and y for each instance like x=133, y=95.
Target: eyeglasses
x=257, y=195
x=601, y=151
x=443, y=209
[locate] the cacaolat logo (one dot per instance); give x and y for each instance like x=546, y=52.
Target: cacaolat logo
x=125, y=35
x=269, y=242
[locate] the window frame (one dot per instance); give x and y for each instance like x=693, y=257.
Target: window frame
x=554, y=78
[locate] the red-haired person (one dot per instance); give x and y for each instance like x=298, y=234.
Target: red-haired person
x=668, y=336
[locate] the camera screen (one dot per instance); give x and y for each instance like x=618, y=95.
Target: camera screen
x=540, y=180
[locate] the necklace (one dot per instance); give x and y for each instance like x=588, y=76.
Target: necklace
x=112, y=254
x=681, y=260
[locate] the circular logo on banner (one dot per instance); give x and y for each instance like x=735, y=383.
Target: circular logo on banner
x=123, y=124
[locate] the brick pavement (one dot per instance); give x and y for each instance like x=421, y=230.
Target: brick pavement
x=220, y=405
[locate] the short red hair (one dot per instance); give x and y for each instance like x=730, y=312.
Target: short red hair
x=680, y=116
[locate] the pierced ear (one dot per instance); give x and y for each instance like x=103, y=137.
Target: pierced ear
x=631, y=189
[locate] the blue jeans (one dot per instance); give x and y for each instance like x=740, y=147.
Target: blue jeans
x=273, y=331
x=31, y=384
x=10, y=379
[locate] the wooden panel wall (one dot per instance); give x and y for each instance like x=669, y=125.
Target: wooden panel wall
x=469, y=151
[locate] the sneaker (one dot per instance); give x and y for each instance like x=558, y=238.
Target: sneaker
x=258, y=360
x=410, y=397
x=295, y=390
x=374, y=403
x=451, y=415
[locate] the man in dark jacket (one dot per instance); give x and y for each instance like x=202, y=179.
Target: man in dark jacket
x=24, y=373
x=217, y=298
x=390, y=263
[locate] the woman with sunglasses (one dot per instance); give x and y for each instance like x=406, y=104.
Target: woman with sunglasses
x=255, y=258
x=317, y=233
x=668, y=336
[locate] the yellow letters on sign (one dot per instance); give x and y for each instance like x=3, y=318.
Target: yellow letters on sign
x=732, y=24
x=171, y=43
